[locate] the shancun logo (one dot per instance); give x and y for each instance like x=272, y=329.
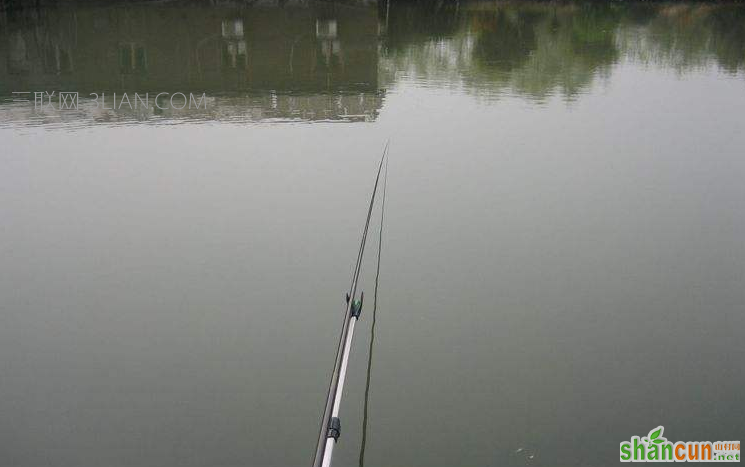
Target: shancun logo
x=656, y=448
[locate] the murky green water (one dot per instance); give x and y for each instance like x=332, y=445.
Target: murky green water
x=563, y=264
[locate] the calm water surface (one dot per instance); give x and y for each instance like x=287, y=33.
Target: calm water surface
x=563, y=262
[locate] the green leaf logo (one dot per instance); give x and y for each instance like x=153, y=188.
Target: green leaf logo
x=655, y=436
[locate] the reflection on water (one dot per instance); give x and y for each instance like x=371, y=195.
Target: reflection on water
x=536, y=49
x=324, y=61
x=316, y=61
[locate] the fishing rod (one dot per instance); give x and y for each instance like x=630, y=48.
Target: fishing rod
x=330, y=423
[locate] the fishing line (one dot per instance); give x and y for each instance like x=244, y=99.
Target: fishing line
x=372, y=326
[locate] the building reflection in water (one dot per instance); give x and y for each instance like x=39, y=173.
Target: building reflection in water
x=308, y=61
x=297, y=60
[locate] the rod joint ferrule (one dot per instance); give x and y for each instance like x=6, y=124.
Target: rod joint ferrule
x=334, y=429
x=356, y=308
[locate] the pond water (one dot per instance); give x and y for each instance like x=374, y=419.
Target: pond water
x=563, y=258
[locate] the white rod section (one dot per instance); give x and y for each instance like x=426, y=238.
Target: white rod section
x=328, y=452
